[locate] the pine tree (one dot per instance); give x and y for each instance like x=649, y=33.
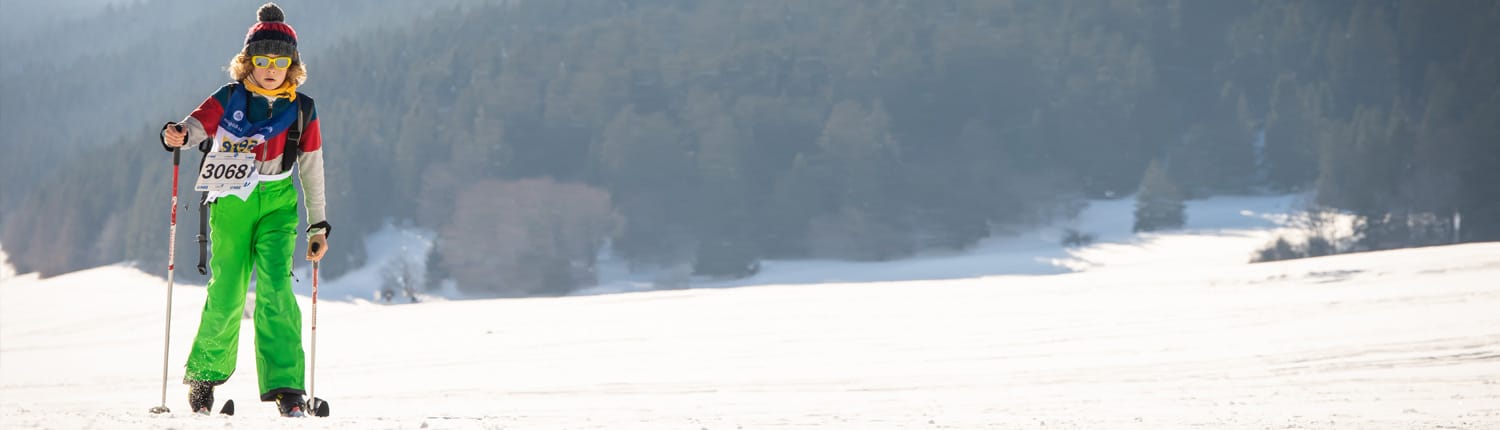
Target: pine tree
x=869, y=223
x=1158, y=204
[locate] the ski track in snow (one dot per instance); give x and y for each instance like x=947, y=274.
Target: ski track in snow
x=1166, y=331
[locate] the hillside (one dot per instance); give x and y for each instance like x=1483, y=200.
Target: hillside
x=1396, y=339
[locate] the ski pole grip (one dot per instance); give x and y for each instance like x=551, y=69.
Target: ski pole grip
x=177, y=152
x=316, y=246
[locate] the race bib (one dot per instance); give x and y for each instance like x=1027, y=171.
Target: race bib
x=226, y=171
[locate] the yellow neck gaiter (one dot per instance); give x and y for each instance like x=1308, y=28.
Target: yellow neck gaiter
x=287, y=91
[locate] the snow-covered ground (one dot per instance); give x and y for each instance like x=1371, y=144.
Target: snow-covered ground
x=1172, y=330
x=6, y=270
x=1236, y=225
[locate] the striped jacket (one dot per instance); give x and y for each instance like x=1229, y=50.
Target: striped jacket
x=204, y=123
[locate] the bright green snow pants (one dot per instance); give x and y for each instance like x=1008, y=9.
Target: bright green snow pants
x=260, y=230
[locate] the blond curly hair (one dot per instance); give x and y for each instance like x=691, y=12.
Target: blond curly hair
x=240, y=67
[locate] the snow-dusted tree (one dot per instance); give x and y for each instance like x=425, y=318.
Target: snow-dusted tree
x=402, y=276
x=1158, y=204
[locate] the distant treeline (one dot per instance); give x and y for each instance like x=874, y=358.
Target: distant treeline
x=713, y=134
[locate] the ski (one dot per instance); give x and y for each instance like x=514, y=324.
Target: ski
x=312, y=408
x=319, y=407
x=227, y=410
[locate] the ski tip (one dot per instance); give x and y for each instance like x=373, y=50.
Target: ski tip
x=228, y=408
x=319, y=407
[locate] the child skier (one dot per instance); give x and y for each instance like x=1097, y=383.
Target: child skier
x=255, y=225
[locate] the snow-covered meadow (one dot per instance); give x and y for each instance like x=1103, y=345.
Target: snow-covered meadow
x=1155, y=331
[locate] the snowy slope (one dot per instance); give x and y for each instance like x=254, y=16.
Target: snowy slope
x=1161, y=331
x=6, y=271
x=1234, y=225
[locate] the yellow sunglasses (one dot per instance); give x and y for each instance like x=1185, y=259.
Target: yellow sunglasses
x=262, y=61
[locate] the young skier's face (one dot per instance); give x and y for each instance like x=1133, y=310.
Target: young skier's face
x=268, y=72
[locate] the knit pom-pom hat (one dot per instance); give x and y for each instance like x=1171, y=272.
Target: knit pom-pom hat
x=271, y=34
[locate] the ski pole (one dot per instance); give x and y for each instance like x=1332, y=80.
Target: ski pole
x=312, y=376
x=171, y=266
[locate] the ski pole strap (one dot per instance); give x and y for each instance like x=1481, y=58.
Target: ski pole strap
x=327, y=228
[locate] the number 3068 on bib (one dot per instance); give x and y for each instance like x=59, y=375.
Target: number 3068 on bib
x=226, y=171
